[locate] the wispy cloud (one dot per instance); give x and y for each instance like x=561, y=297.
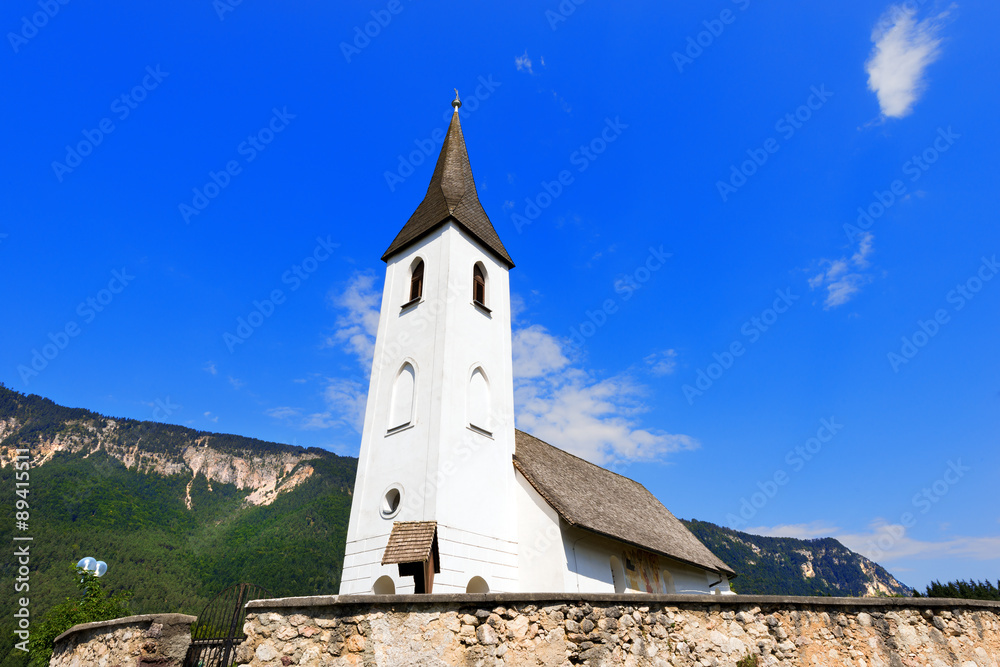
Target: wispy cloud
x=210, y=417
x=901, y=545
x=555, y=400
x=236, y=382
x=802, y=531
x=344, y=400
x=903, y=49
x=889, y=542
x=663, y=362
x=358, y=302
x=843, y=278
x=523, y=63
x=596, y=419
x=210, y=368
x=283, y=412
x=517, y=307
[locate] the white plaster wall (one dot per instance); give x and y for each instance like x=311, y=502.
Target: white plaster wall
x=589, y=558
x=362, y=566
x=466, y=554
x=478, y=469
x=447, y=472
x=541, y=558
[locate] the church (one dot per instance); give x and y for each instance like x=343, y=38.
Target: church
x=450, y=497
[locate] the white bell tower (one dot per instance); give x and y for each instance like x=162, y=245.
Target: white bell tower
x=434, y=505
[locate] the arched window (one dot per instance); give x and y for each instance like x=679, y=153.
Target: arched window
x=401, y=405
x=479, y=284
x=417, y=280
x=384, y=585
x=477, y=585
x=479, y=401
x=617, y=575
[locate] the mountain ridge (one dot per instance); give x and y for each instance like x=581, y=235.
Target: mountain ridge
x=179, y=514
x=266, y=468
x=793, y=566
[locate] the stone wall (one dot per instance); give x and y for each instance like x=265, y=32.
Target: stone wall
x=633, y=630
x=152, y=640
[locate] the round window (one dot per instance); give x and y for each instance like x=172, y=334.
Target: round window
x=391, y=501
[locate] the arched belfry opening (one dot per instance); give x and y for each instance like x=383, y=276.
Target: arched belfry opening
x=417, y=280
x=479, y=284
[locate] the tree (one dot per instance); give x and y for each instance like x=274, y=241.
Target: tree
x=969, y=590
x=94, y=604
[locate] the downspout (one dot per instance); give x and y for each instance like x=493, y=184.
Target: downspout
x=721, y=577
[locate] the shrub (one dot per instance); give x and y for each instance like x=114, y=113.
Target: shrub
x=94, y=604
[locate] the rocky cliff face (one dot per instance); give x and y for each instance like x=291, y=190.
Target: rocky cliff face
x=786, y=566
x=263, y=474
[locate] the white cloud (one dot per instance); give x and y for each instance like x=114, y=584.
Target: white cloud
x=208, y=415
x=860, y=258
x=236, y=382
x=524, y=63
x=662, y=363
x=554, y=400
x=210, y=368
x=536, y=353
x=802, y=531
x=884, y=542
x=344, y=400
x=571, y=409
x=843, y=278
x=283, y=412
x=359, y=303
x=561, y=101
x=517, y=306
x=903, y=49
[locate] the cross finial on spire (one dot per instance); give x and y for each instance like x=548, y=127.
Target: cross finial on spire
x=456, y=102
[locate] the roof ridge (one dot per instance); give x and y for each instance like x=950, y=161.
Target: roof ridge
x=577, y=493
x=580, y=458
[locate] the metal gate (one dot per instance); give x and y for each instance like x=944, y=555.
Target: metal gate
x=219, y=628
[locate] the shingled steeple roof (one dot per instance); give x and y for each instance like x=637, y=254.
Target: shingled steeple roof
x=451, y=196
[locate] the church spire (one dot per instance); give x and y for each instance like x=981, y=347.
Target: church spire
x=451, y=196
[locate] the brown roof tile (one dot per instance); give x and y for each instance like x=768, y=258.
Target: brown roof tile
x=410, y=542
x=604, y=502
x=451, y=196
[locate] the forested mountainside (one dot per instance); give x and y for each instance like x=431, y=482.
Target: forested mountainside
x=177, y=514
x=180, y=514
x=790, y=566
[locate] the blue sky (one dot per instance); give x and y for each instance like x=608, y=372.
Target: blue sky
x=759, y=203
